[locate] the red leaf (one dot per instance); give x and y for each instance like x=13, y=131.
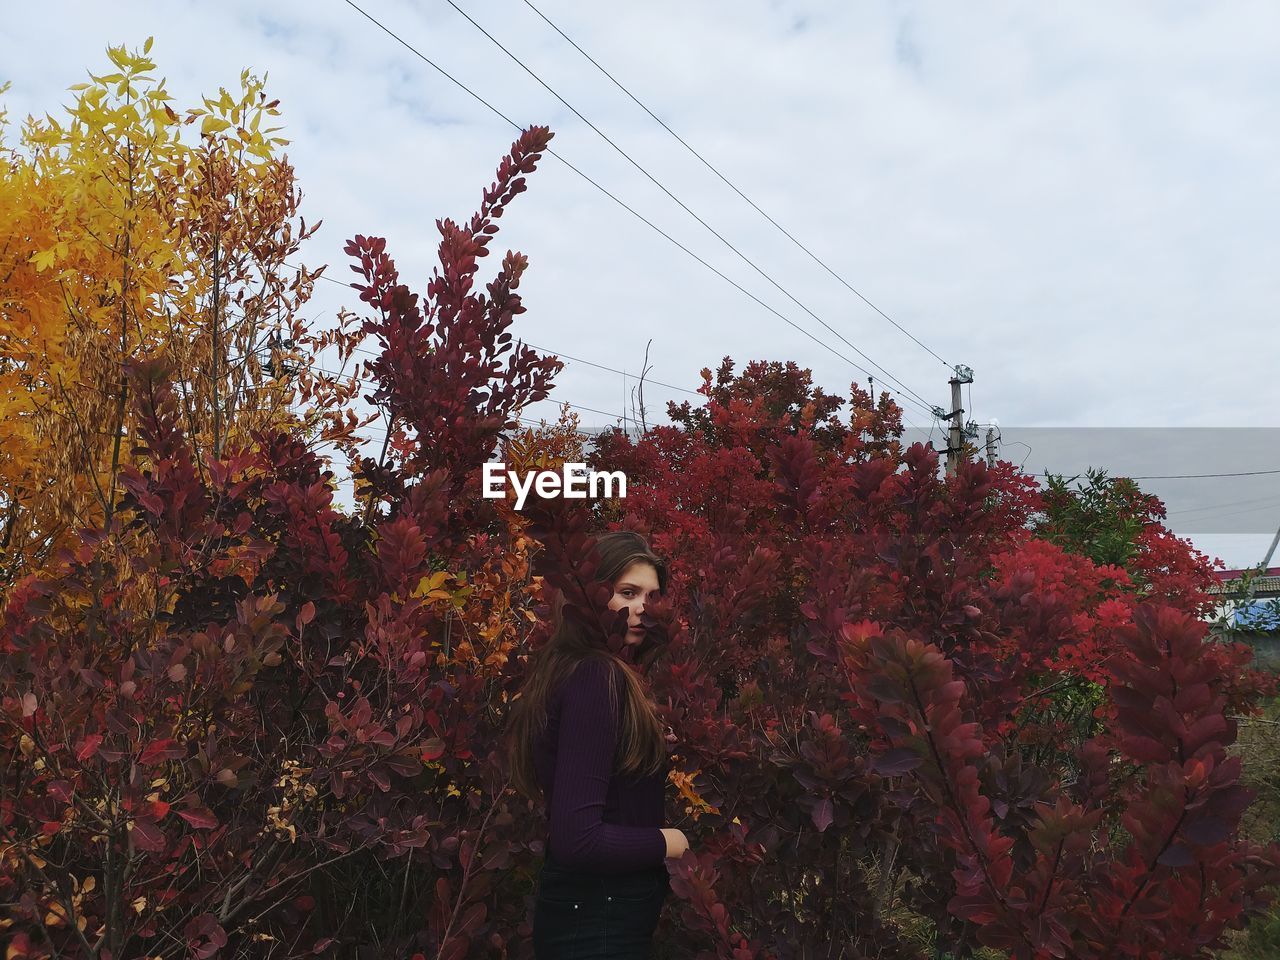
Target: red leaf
x=205, y=937
x=883, y=689
x=147, y=836
x=898, y=761
x=456, y=948
x=822, y=814
x=1145, y=749
x=1177, y=855
x=1207, y=831
x=159, y=750
x=472, y=919
x=406, y=766
x=200, y=818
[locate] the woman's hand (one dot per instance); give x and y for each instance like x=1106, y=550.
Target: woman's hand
x=677, y=842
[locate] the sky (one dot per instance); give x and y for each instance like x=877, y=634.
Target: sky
x=1078, y=201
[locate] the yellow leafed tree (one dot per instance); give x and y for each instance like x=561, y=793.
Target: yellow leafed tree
x=130, y=230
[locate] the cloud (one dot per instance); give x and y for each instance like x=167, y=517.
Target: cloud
x=905, y=48
x=1077, y=201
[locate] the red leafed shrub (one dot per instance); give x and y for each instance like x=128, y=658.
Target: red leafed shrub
x=1060, y=886
x=239, y=723
x=878, y=690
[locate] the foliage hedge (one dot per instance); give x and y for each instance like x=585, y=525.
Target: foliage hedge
x=238, y=722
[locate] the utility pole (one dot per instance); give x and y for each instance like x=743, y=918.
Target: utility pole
x=1270, y=552
x=958, y=432
x=955, y=437
x=1252, y=578
x=991, y=447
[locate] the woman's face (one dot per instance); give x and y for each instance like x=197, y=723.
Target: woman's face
x=637, y=584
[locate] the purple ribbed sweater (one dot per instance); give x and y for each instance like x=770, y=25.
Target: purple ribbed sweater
x=600, y=822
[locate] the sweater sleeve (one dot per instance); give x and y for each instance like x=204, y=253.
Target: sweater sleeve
x=580, y=838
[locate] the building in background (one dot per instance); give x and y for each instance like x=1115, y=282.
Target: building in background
x=1249, y=611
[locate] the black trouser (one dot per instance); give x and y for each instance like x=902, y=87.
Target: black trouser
x=589, y=916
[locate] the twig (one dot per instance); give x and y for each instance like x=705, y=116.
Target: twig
x=466, y=873
x=638, y=391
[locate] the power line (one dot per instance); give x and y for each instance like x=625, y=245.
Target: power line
x=1201, y=476
x=728, y=183
x=565, y=356
x=381, y=433
x=548, y=350
x=578, y=406
x=685, y=207
x=1193, y=476
x=575, y=406
x=590, y=363
x=557, y=353
x=1188, y=476
x=1183, y=476
x=1223, y=516
x=1264, y=501
x=928, y=408
x=601, y=366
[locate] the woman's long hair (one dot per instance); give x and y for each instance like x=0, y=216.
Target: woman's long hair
x=641, y=742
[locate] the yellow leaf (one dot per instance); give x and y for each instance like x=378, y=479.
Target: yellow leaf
x=139, y=904
x=213, y=124
x=430, y=583
x=64, y=202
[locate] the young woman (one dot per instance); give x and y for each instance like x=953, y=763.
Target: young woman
x=584, y=737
